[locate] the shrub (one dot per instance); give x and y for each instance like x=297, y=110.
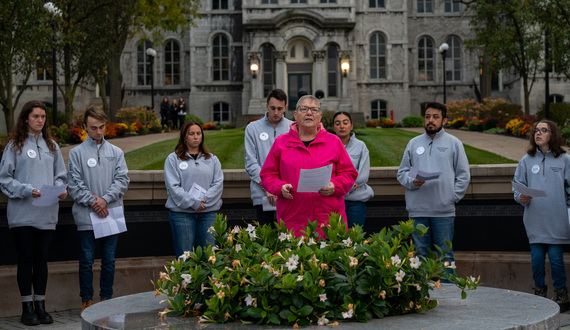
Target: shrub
x=475, y=125
x=566, y=132
x=61, y=133
x=136, y=127
x=386, y=122
x=131, y=115
x=209, y=126
x=559, y=113
x=327, y=120
x=495, y=130
x=413, y=121
x=464, y=108
x=490, y=122
x=265, y=275
x=458, y=122
x=194, y=117
x=228, y=126
x=76, y=135
x=372, y=123
x=518, y=127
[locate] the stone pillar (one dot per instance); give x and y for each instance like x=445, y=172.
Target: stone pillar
x=319, y=70
x=256, y=83
x=280, y=70
x=345, y=97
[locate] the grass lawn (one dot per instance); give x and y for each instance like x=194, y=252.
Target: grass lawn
x=386, y=147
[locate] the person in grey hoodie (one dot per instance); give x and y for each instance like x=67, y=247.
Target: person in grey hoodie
x=432, y=202
x=546, y=166
x=32, y=159
x=98, y=179
x=355, y=200
x=259, y=137
x=194, y=183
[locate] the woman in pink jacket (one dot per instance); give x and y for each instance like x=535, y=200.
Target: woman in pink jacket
x=307, y=146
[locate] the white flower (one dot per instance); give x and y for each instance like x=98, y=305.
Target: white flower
x=301, y=241
x=322, y=320
x=238, y=247
x=450, y=265
x=211, y=230
x=276, y=273
x=172, y=269
x=282, y=237
x=252, y=235
x=299, y=278
x=236, y=230
x=289, y=236
x=353, y=261
x=311, y=242
x=214, y=248
x=396, y=260
x=323, y=297
x=400, y=276
x=291, y=265
x=314, y=259
x=250, y=228
x=323, y=244
x=249, y=300
x=365, y=254
x=347, y=242
x=415, y=262
x=418, y=287
x=347, y=315
x=472, y=278
x=267, y=266
x=185, y=256
x=221, y=294
x=197, y=306
x=187, y=277
x=295, y=257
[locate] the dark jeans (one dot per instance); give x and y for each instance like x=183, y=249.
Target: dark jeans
x=87, y=244
x=264, y=217
x=355, y=213
x=190, y=230
x=556, y=260
x=181, y=119
x=32, y=247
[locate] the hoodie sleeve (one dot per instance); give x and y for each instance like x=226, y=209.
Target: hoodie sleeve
x=77, y=188
x=214, y=193
x=462, y=174
x=59, y=170
x=345, y=175
x=252, y=166
x=363, y=167
x=567, y=179
x=520, y=178
x=120, y=180
x=405, y=166
x=9, y=185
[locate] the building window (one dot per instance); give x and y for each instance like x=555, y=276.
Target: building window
x=144, y=70
x=377, y=56
x=268, y=69
x=272, y=2
x=556, y=98
x=425, y=59
x=328, y=1
x=452, y=6
x=378, y=109
x=172, y=63
x=298, y=1
x=221, y=58
x=332, y=71
x=453, y=59
x=423, y=108
x=221, y=112
x=376, y=4
x=219, y=4
x=44, y=65
x=425, y=6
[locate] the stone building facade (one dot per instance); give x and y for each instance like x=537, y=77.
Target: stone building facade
x=391, y=48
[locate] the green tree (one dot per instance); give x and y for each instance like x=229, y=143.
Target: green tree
x=23, y=31
x=507, y=30
x=149, y=20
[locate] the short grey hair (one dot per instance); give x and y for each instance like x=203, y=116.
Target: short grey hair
x=308, y=97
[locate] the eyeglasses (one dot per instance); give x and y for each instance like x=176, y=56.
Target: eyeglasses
x=541, y=130
x=314, y=110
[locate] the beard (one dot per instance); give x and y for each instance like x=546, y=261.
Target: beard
x=431, y=131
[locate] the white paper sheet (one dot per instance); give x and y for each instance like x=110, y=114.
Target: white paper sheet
x=197, y=192
x=113, y=224
x=266, y=205
x=418, y=174
x=49, y=195
x=528, y=191
x=315, y=179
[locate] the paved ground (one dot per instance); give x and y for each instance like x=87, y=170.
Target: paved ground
x=510, y=147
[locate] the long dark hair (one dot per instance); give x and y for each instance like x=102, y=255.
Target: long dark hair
x=555, y=143
x=180, y=148
x=20, y=130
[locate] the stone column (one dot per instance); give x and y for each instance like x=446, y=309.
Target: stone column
x=345, y=57
x=319, y=70
x=280, y=70
x=256, y=83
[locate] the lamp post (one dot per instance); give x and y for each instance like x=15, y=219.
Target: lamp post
x=152, y=53
x=52, y=9
x=443, y=50
x=345, y=66
x=254, y=67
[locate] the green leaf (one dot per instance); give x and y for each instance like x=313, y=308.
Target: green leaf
x=273, y=318
x=298, y=300
x=306, y=310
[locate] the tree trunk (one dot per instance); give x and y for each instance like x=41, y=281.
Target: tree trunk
x=103, y=91
x=526, y=96
x=115, y=85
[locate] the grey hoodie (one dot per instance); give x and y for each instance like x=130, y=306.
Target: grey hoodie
x=259, y=137
x=21, y=173
x=95, y=171
x=445, y=154
x=546, y=218
x=207, y=173
x=360, y=157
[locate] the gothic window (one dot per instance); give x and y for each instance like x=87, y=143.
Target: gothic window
x=172, y=63
x=425, y=6
x=144, y=70
x=452, y=6
x=268, y=69
x=453, y=59
x=221, y=58
x=376, y=4
x=332, y=71
x=219, y=4
x=377, y=56
x=221, y=112
x=378, y=109
x=425, y=59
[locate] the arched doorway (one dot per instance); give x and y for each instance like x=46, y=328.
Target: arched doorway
x=299, y=70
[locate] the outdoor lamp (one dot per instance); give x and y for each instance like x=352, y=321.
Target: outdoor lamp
x=254, y=67
x=345, y=66
x=151, y=53
x=443, y=50
x=53, y=10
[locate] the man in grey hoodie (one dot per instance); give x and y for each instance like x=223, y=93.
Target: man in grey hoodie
x=432, y=203
x=259, y=137
x=97, y=181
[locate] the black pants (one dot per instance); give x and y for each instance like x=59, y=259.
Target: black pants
x=32, y=246
x=181, y=119
x=264, y=217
